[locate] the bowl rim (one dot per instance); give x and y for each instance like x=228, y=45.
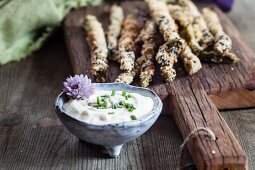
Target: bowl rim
x=132, y=123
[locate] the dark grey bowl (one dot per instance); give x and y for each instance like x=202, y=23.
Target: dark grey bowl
x=111, y=136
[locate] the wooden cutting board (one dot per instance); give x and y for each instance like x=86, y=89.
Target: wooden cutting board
x=194, y=100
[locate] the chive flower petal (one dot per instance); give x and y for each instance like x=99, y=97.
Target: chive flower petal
x=79, y=86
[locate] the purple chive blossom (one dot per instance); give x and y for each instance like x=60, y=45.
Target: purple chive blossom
x=79, y=87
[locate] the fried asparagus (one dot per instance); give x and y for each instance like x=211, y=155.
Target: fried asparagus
x=126, y=77
x=166, y=57
x=144, y=64
x=191, y=62
x=222, y=40
x=202, y=33
x=126, y=44
x=223, y=43
x=97, y=43
x=166, y=24
x=188, y=32
x=116, y=19
x=168, y=52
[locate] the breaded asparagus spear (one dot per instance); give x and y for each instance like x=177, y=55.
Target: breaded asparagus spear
x=191, y=62
x=126, y=43
x=160, y=14
x=97, y=43
x=166, y=56
x=183, y=20
x=203, y=35
x=144, y=64
x=126, y=77
x=116, y=19
x=168, y=52
x=146, y=67
x=223, y=42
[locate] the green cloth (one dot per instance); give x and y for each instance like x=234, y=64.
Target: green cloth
x=26, y=24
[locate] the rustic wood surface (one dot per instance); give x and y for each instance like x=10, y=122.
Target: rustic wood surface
x=186, y=97
x=32, y=137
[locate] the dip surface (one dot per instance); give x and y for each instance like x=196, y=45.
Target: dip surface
x=107, y=107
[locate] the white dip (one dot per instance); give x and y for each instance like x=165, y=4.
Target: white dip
x=115, y=107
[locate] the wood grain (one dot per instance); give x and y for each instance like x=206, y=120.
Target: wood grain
x=39, y=77
x=191, y=106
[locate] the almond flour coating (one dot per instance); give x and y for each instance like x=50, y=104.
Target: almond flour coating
x=97, y=43
x=126, y=77
x=126, y=44
x=191, y=62
x=187, y=30
x=144, y=64
x=202, y=33
x=114, y=29
x=170, y=50
x=222, y=40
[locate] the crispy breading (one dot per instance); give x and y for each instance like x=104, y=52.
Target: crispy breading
x=222, y=41
x=187, y=30
x=97, y=43
x=147, y=72
x=114, y=29
x=126, y=77
x=212, y=56
x=160, y=14
x=191, y=62
x=202, y=33
x=126, y=44
x=144, y=64
x=169, y=51
x=166, y=57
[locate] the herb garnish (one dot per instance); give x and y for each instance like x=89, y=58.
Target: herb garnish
x=105, y=104
x=113, y=93
x=110, y=113
x=105, y=96
x=98, y=100
x=123, y=93
x=102, y=102
x=133, y=117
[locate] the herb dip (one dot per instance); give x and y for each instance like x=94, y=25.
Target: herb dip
x=107, y=107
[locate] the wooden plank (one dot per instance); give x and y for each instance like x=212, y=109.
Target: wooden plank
x=193, y=107
x=53, y=147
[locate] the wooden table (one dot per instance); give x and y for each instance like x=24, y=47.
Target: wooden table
x=32, y=137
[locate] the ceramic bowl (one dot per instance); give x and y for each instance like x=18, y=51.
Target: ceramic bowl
x=111, y=136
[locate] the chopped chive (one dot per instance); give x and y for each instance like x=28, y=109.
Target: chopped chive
x=133, y=117
x=110, y=113
x=126, y=97
x=106, y=96
x=129, y=95
x=123, y=93
x=105, y=104
x=98, y=100
x=113, y=93
x=121, y=103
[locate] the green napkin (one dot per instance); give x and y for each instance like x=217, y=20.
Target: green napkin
x=26, y=24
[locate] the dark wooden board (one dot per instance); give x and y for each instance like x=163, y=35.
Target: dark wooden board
x=229, y=86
